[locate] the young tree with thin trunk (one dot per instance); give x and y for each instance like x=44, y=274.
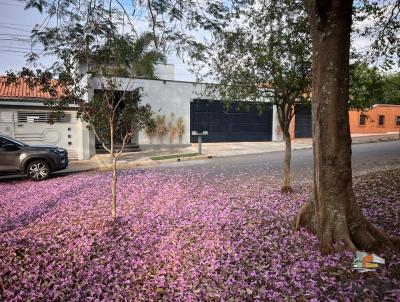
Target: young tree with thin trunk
x=115, y=114
x=264, y=57
x=333, y=213
x=89, y=34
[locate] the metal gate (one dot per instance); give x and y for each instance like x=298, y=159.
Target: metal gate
x=241, y=122
x=303, y=126
x=32, y=127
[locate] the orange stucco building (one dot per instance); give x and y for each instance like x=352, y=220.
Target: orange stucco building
x=381, y=118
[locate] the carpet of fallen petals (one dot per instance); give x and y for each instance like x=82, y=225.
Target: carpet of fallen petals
x=181, y=236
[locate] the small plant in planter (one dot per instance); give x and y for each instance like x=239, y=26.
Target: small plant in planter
x=160, y=127
x=180, y=128
x=150, y=130
x=171, y=128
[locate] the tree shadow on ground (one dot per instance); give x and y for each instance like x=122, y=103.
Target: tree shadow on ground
x=39, y=211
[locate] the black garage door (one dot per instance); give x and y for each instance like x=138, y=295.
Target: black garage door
x=242, y=122
x=303, y=128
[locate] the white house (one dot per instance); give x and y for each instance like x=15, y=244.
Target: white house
x=24, y=116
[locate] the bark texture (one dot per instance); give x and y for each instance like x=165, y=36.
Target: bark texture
x=286, y=187
x=333, y=213
x=114, y=171
x=285, y=114
x=114, y=188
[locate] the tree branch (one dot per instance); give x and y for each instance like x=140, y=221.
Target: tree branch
x=95, y=132
x=153, y=22
x=124, y=140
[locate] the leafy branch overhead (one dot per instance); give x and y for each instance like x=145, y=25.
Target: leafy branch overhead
x=264, y=54
x=176, y=24
x=84, y=24
x=379, y=22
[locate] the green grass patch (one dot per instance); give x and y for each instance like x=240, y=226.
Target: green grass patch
x=173, y=156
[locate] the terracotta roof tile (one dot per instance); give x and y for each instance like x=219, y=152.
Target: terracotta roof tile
x=21, y=90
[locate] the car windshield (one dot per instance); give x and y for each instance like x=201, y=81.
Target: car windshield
x=14, y=141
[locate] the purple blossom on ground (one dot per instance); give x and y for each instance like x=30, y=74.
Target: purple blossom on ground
x=222, y=240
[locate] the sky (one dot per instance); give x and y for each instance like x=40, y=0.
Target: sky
x=16, y=23
x=15, y=26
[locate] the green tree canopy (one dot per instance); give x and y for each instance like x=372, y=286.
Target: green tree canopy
x=391, y=89
x=366, y=85
x=370, y=86
x=263, y=55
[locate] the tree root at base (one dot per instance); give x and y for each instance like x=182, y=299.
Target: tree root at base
x=354, y=232
x=286, y=189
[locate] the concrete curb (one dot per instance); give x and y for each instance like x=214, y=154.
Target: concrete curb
x=260, y=152
x=150, y=162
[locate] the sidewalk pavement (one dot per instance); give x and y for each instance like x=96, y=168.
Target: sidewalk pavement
x=143, y=158
x=375, y=138
x=245, y=148
x=359, y=138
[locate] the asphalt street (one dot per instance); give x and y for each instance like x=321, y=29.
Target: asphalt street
x=366, y=157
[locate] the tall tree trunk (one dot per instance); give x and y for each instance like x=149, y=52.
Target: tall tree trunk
x=114, y=188
x=286, y=187
x=333, y=214
x=284, y=117
x=114, y=174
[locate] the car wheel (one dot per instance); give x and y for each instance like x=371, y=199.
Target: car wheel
x=38, y=170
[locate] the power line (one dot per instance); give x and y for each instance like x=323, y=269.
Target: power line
x=9, y=4
x=19, y=29
x=13, y=44
x=17, y=24
x=13, y=51
x=21, y=47
x=16, y=35
x=14, y=2
x=15, y=40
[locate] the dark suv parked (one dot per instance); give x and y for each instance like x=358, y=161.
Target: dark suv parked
x=37, y=161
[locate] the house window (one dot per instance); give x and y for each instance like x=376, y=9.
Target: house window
x=381, y=120
x=398, y=120
x=32, y=117
x=363, y=117
x=41, y=117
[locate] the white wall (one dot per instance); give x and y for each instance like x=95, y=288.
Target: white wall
x=165, y=97
x=276, y=129
x=170, y=97
x=66, y=135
